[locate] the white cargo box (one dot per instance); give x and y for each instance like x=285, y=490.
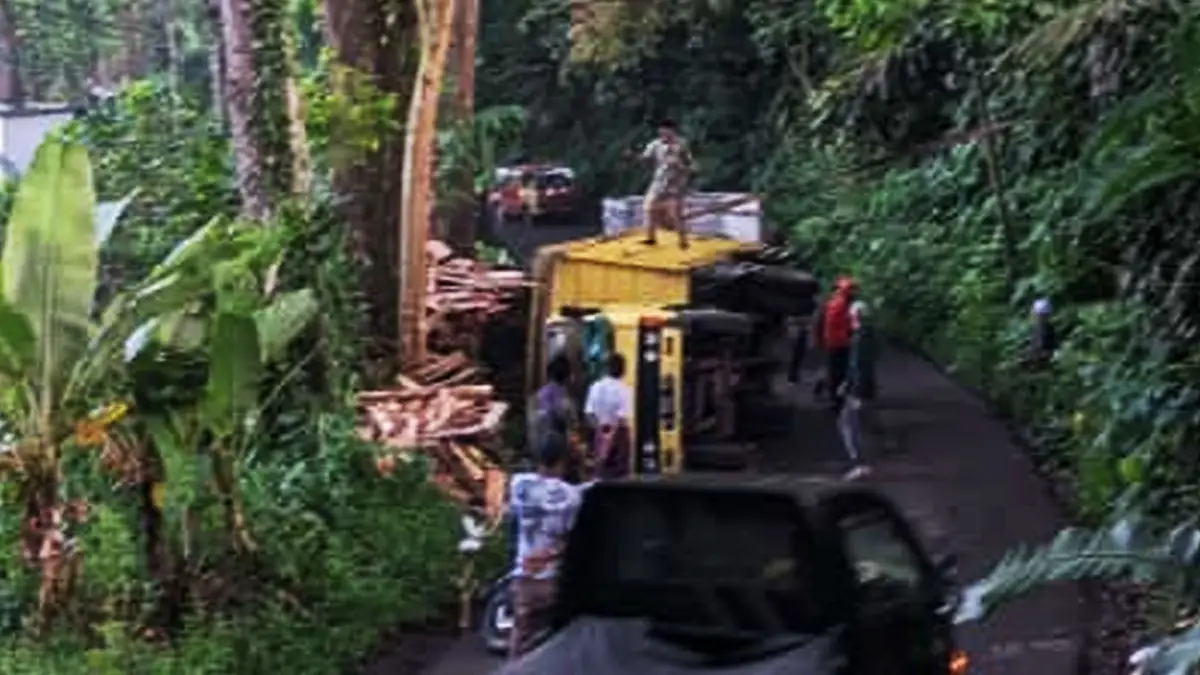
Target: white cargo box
x=734, y=215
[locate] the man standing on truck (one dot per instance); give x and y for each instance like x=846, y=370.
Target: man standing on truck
x=673, y=167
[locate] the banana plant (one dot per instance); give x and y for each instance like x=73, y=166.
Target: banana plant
x=234, y=330
x=1127, y=549
x=48, y=276
x=54, y=357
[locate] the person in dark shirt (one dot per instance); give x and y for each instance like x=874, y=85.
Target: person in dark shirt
x=552, y=409
x=858, y=392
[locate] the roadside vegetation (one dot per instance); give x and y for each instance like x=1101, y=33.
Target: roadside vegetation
x=198, y=276
x=180, y=465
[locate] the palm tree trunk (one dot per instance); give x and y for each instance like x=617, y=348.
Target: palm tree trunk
x=237, y=36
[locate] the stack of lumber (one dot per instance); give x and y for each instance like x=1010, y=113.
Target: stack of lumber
x=463, y=295
x=444, y=409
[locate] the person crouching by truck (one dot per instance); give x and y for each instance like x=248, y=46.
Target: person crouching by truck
x=834, y=332
x=609, y=409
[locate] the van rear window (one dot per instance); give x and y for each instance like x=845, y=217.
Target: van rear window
x=695, y=557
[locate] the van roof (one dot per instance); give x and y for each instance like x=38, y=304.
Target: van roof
x=806, y=489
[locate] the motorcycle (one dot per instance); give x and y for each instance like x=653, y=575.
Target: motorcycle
x=496, y=618
x=494, y=604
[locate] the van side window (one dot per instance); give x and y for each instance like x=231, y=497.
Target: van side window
x=883, y=560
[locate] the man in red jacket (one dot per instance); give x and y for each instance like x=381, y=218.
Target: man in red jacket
x=835, y=329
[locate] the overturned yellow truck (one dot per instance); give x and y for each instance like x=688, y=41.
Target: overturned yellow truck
x=699, y=328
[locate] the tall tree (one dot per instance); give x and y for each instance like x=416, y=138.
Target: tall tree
x=435, y=19
x=375, y=46
x=12, y=89
x=258, y=72
x=216, y=59
x=459, y=213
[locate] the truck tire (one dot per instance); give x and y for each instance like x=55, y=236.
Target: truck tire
x=764, y=416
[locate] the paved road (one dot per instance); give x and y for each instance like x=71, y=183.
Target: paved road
x=970, y=489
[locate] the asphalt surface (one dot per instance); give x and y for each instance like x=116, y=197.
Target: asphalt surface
x=955, y=470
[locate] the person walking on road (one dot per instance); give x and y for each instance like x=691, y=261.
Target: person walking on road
x=834, y=333
x=543, y=505
x=673, y=168
x=858, y=391
x=1043, y=341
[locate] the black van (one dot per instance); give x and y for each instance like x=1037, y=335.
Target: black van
x=749, y=574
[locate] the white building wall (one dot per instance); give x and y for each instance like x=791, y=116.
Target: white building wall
x=21, y=134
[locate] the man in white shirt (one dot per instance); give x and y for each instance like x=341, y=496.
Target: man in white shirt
x=609, y=410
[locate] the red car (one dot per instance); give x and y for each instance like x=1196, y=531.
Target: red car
x=535, y=190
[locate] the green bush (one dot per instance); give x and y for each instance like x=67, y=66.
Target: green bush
x=358, y=554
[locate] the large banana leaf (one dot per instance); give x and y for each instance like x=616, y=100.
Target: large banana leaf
x=50, y=260
x=154, y=309
x=234, y=373
x=283, y=320
x=106, y=217
x=17, y=342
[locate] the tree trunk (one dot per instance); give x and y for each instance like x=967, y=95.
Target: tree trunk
x=237, y=37
x=460, y=214
x=12, y=89
x=257, y=74
x=466, y=34
x=216, y=62
x=435, y=21
x=170, y=28
x=374, y=43
x=133, y=63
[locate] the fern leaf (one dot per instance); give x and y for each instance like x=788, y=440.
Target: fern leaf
x=1125, y=549
x=1176, y=655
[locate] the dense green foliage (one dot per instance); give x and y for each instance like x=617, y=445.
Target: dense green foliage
x=339, y=553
